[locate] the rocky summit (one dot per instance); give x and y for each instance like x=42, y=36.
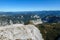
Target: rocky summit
x=20, y=32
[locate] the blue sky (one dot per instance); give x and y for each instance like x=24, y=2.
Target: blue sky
x=29, y=5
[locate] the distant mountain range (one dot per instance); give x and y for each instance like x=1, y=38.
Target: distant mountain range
x=40, y=13
x=51, y=19
x=23, y=17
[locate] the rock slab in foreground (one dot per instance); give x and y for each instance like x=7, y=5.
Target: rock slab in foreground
x=20, y=32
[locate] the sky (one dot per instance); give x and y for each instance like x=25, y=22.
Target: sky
x=29, y=5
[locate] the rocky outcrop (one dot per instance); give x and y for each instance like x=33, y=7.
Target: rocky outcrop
x=20, y=32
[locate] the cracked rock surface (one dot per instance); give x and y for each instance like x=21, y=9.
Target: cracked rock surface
x=20, y=32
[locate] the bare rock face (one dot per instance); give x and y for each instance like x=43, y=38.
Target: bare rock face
x=20, y=32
